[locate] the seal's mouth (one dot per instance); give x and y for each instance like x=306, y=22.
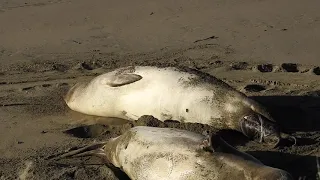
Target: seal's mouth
x=258, y=127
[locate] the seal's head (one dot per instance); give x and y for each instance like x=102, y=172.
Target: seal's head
x=74, y=92
x=256, y=126
x=69, y=95
x=77, y=97
x=257, y=123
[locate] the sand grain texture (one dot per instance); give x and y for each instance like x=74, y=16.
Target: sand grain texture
x=266, y=49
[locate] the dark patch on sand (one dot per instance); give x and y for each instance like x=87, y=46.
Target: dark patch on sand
x=254, y=88
x=290, y=67
x=265, y=67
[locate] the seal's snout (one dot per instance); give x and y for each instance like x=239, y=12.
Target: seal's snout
x=70, y=94
x=256, y=126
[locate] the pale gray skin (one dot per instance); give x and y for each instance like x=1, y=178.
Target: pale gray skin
x=172, y=93
x=146, y=153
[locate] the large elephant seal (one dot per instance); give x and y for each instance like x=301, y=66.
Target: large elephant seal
x=167, y=153
x=172, y=93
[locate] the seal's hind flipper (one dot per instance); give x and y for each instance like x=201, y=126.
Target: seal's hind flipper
x=95, y=149
x=96, y=152
x=117, y=80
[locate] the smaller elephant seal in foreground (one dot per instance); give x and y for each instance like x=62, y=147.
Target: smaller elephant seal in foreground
x=172, y=93
x=168, y=153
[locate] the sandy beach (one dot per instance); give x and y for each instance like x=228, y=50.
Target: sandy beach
x=268, y=50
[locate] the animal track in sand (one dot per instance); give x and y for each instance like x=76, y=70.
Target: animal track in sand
x=254, y=88
x=62, y=84
x=28, y=88
x=239, y=66
x=316, y=70
x=265, y=67
x=290, y=67
x=55, y=79
x=46, y=85
x=60, y=67
x=87, y=66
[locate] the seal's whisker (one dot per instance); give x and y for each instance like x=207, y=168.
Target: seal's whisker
x=294, y=139
x=261, y=128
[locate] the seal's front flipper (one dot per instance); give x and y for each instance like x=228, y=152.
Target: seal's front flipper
x=117, y=80
x=286, y=140
x=207, y=142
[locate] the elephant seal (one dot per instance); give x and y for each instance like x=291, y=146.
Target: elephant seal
x=168, y=153
x=173, y=93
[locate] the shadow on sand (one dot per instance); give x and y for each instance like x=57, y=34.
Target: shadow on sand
x=293, y=113
x=300, y=167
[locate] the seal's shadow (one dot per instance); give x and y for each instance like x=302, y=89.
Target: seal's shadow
x=232, y=137
x=294, y=113
x=300, y=167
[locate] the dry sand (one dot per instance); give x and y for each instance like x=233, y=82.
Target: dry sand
x=46, y=46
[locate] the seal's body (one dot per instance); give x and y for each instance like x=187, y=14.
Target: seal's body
x=171, y=93
x=167, y=153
